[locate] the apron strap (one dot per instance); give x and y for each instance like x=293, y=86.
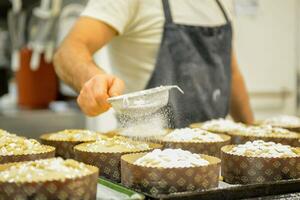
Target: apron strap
x=167, y=11
x=168, y=14
x=223, y=10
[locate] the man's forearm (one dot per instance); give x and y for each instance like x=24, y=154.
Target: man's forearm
x=74, y=64
x=73, y=60
x=240, y=108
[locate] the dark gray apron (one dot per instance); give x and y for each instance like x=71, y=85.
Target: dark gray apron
x=198, y=60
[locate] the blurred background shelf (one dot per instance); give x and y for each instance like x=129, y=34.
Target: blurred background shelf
x=32, y=123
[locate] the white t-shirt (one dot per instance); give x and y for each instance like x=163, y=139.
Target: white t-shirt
x=139, y=24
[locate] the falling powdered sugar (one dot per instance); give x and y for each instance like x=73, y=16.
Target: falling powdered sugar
x=146, y=126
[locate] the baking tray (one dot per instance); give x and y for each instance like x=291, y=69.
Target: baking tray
x=108, y=190
x=225, y=191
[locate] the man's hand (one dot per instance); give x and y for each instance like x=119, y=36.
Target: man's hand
x=95, y=92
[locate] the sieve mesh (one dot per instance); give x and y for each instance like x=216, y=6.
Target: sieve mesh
x=143, y=102
x=143, y=113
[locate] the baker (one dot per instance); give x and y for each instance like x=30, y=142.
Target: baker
x=157, y=42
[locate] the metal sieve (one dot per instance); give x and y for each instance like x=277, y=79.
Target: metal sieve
x=143, y=102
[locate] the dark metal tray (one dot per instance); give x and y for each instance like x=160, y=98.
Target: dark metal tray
x=227, y=191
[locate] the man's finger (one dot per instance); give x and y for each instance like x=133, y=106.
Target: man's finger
x=117, y=87
x=88, y=104
x=99, y=92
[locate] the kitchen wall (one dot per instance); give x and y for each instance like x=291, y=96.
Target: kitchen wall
x=267, y=42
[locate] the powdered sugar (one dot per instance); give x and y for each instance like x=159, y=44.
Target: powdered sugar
x=189, y=134
x=283, y=120
x=263, y=149
x=74, y=135
x=266, y=130
x=42, y=170
x=221, y=125
x=171, y=158
x=5, y=133
x=13, y=145
x=116, y=143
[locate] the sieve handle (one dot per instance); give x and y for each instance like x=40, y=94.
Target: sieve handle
x=175, y=86
x=110, y=99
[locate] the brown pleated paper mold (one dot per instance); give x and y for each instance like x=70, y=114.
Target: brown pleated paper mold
x=200, y=147
x=168, y=180
x=196, y=125
x=200, y=124
x=108, y=162
x=80, y=188
x=237, y=138
x=293, y=128
x=239, y=169
x=64, y=147
x=49, y=152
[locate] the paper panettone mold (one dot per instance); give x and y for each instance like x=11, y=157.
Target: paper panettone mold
x=14, y=148
x=241, y=169
x=221, y=126
x=291, y=123
x=81, y=187
x=196, y=125
x=295, y=129
x=168, y=180
x=48, y=152
x=240, y=139
x=64, y=146
x=109, y=162
x=212, y=148
x=291, y=138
